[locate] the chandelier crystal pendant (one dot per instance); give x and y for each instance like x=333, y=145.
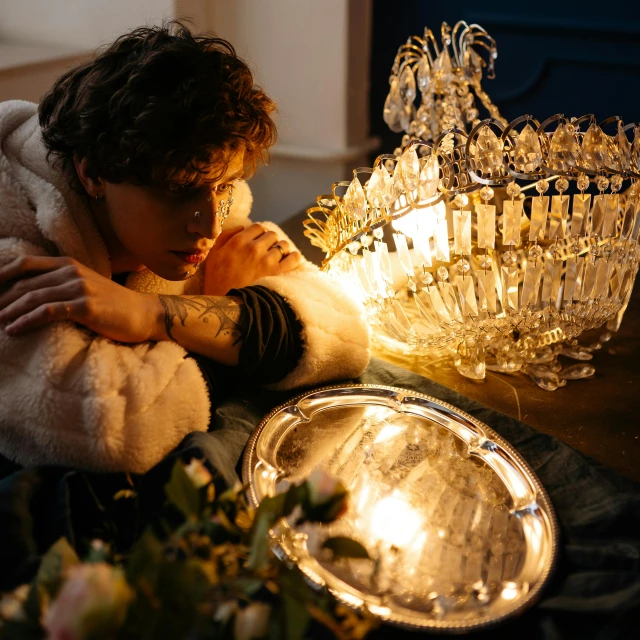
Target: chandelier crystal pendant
x=511, y=239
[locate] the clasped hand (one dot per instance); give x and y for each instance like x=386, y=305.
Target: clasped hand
x=38, y=290
x=241, y=256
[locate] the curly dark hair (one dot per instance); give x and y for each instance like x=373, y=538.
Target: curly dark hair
x=158, y=107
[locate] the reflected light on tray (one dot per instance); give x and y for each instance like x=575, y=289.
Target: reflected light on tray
x=394, y=521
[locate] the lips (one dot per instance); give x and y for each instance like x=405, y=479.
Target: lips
x=191, y=257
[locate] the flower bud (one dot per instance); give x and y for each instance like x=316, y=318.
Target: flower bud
x=198, y=473
x=252, y=622
x=92, y=602
x=322, y=487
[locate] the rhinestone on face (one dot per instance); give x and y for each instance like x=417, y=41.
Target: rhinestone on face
x=443, y=273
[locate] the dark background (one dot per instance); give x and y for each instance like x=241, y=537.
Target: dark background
x=558, y=57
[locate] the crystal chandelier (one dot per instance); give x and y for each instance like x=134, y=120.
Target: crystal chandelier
x=511, y=239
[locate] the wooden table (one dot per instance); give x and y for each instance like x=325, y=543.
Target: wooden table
x=599, y=416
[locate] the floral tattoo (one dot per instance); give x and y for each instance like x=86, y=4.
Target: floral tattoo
x=232, y=316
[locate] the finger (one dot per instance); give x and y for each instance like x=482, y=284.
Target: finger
x=34, y=299
x=42, y=315
x=29, y=265
x=226, y=235
x=255, y=231
x=267, y=240
x=281, y=249
x=290, y=262
x=285, y=246
x=24, y=285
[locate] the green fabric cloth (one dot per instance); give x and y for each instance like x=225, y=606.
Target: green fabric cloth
x=594, y=592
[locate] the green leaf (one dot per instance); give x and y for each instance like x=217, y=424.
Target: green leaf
x=144, y=560
x=294, y=596
x=260, y=542
x=182, y=493
x=248, y=586
x=343, y=547
x=327, y=511
x=54, y=564
x=294, y=496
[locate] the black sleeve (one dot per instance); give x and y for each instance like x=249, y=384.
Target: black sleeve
x=272, y=346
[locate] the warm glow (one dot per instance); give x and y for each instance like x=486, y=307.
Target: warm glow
x=412, y=223
x=510, y=591
x=388, y=432
x=395, y=521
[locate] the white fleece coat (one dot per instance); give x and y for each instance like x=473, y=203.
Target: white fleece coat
x=71, y=397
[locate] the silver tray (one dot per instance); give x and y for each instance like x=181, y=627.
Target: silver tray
x=463, y=532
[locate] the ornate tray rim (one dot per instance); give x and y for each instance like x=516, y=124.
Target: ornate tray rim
x=542, y=499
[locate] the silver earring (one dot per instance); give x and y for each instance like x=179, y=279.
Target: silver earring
x=197, y=215
x=97, y=199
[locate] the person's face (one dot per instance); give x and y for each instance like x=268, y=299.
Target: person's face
x=161, y=230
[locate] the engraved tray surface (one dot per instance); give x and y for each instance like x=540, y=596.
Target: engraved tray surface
x=462, y=530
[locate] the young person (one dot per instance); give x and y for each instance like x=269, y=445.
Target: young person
x=119, y=286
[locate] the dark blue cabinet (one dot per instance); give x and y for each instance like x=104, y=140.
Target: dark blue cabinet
x=572, y=57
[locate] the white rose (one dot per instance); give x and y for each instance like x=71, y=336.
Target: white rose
x=252, y=622
x=92, y=602
x=225, y=610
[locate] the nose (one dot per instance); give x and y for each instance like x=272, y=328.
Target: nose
x=203, y=221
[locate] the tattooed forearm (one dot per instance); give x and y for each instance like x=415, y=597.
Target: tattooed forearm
x=233, y=317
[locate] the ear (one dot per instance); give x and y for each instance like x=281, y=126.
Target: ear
x=93, y=187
